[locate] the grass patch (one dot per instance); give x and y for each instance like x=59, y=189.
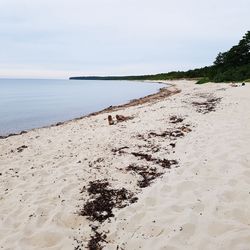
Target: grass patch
x=203, y=80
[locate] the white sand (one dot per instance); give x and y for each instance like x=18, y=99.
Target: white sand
x=202, y=204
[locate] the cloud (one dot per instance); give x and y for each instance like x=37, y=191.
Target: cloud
x=115, y=36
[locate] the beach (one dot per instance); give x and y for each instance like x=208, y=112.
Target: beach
x=174, y=173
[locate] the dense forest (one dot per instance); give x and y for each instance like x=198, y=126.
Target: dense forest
x=232, y=65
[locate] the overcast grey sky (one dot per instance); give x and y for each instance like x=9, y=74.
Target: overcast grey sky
x=61, y=38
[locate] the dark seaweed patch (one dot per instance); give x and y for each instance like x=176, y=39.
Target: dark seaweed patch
x=96, y=240
x=103, y=199
x=142, y=156
x=20, y=149
x=100, y=206
x=175, y=119
x=166, y=163
x=148, y=174
x=119, y=150
x=207, y=106
x=170, y=134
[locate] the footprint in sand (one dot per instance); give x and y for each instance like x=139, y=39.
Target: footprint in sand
x=41, y=240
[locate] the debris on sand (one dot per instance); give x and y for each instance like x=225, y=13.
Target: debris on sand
x=10, y=135
x=122, y=118
x=119, y=150
x=164, y=163
x=171, y=134
x=185, y=128
x=175, y=119
x=148, y=174
x=110, y=120
x=100, y=206
x=119, y=118
x=233, y=85
x=21, y=148
x=167, y=163
x=96, y=239
x=142, y=156
x=103, y=199
x=207, y=106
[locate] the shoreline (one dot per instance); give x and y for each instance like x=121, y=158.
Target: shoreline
x=145, y=183
x=161, y=93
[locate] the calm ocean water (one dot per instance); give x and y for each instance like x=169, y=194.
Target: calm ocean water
x=27, y=104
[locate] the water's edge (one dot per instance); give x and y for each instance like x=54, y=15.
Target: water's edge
x=161, y=93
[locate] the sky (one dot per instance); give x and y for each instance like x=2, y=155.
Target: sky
x=63, y=38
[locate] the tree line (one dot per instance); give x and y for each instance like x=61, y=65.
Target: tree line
x=232, y=65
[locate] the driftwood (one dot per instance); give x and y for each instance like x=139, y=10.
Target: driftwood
x=122, y=118
x=110, y=120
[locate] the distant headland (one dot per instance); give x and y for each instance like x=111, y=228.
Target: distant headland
x=230, y=66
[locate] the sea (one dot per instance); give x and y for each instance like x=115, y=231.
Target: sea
x=32, y=103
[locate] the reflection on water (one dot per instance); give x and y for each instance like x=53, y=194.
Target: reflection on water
x=26, y=104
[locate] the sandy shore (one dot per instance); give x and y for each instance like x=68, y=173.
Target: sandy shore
x=175, y=176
